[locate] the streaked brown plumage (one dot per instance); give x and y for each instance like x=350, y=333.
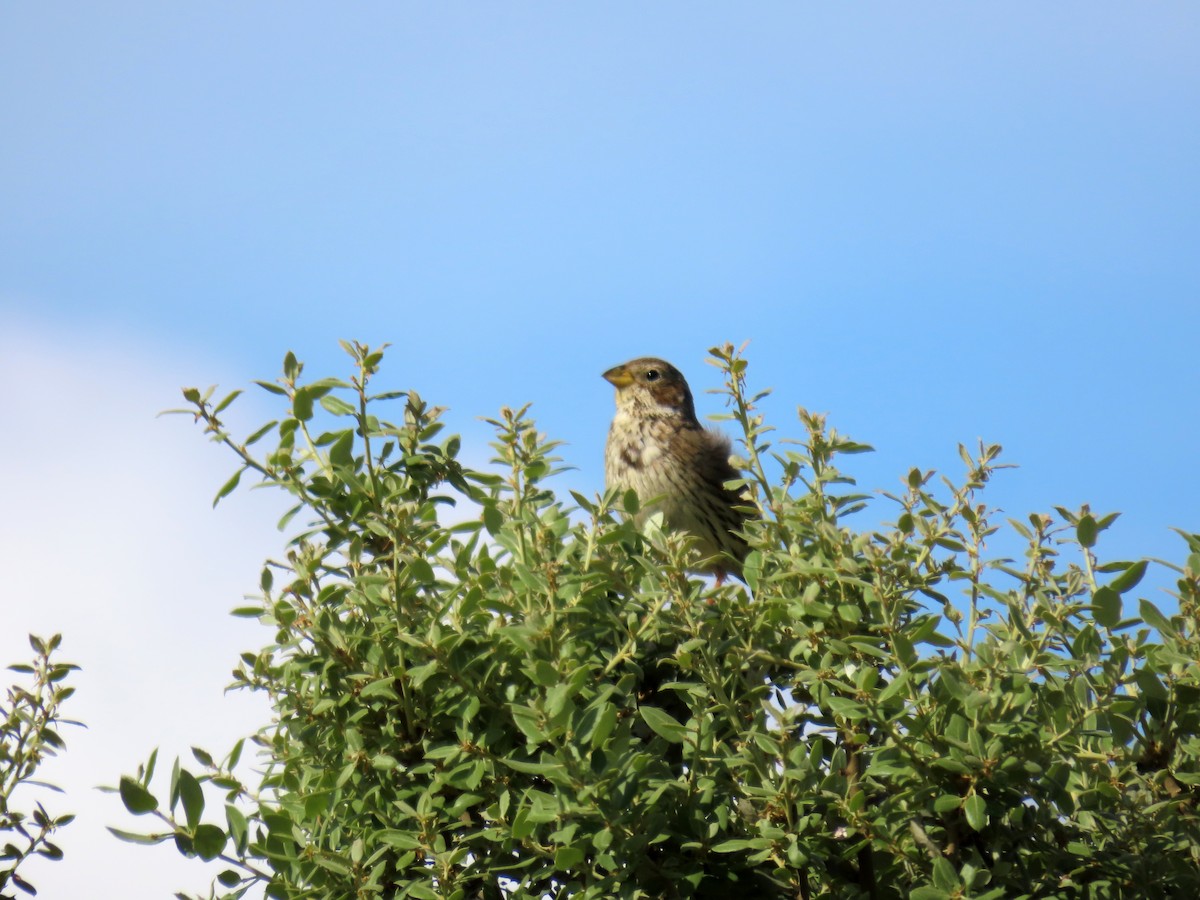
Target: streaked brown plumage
x=657, y=447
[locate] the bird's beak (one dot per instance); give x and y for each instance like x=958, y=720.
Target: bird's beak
x=619, y=377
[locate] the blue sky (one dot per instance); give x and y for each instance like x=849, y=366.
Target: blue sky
x=937, y=222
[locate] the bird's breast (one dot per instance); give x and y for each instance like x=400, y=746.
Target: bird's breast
x=639, y=454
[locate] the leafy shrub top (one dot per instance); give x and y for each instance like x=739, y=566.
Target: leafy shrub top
x=533, y=698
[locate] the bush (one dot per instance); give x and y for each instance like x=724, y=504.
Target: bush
x=536, y=699
x=29, y=723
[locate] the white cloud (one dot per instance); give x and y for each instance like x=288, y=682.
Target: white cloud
x=108, y=536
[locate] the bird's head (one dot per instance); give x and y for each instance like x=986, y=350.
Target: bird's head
x=651, y=386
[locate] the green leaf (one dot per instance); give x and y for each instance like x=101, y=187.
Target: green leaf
x=1130, y=577
x=533, y=768
x=131, y=837
x=543, y=807
x=944, y=875
x=229, y=398
x=1155, y=619
x=336, y=405
x=899, y=683
x=136, y=798
x=404, y=840
x=382, y=687
x=849, y=709
x=527, y=719
x=421, y=891
x=975, y=809
x=737, y=845
x=422, y=571
x=291, y=366
x=1106, y=604
x=302, y=404
x=208, y=841
x=1085, y=531
x=257, y=435
x=567, y=858
x=663, y=724
x=229, y=878
x=235, y=754
x=228, y=487
x=342, y=451
x=1150, y=684
x=192, y=796
x=946, y=803
x=493, y=519
x=288, y=516
x=950, y=764
x=522, y=827
x=239, y=828
x=584, y=503
x=1080, y=849
x=605, y=722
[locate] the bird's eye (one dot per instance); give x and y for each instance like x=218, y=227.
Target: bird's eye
x=652, y=374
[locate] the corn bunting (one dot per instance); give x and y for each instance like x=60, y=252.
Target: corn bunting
x=658, y=448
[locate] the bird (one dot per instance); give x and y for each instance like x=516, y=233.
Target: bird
x=658, y=448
